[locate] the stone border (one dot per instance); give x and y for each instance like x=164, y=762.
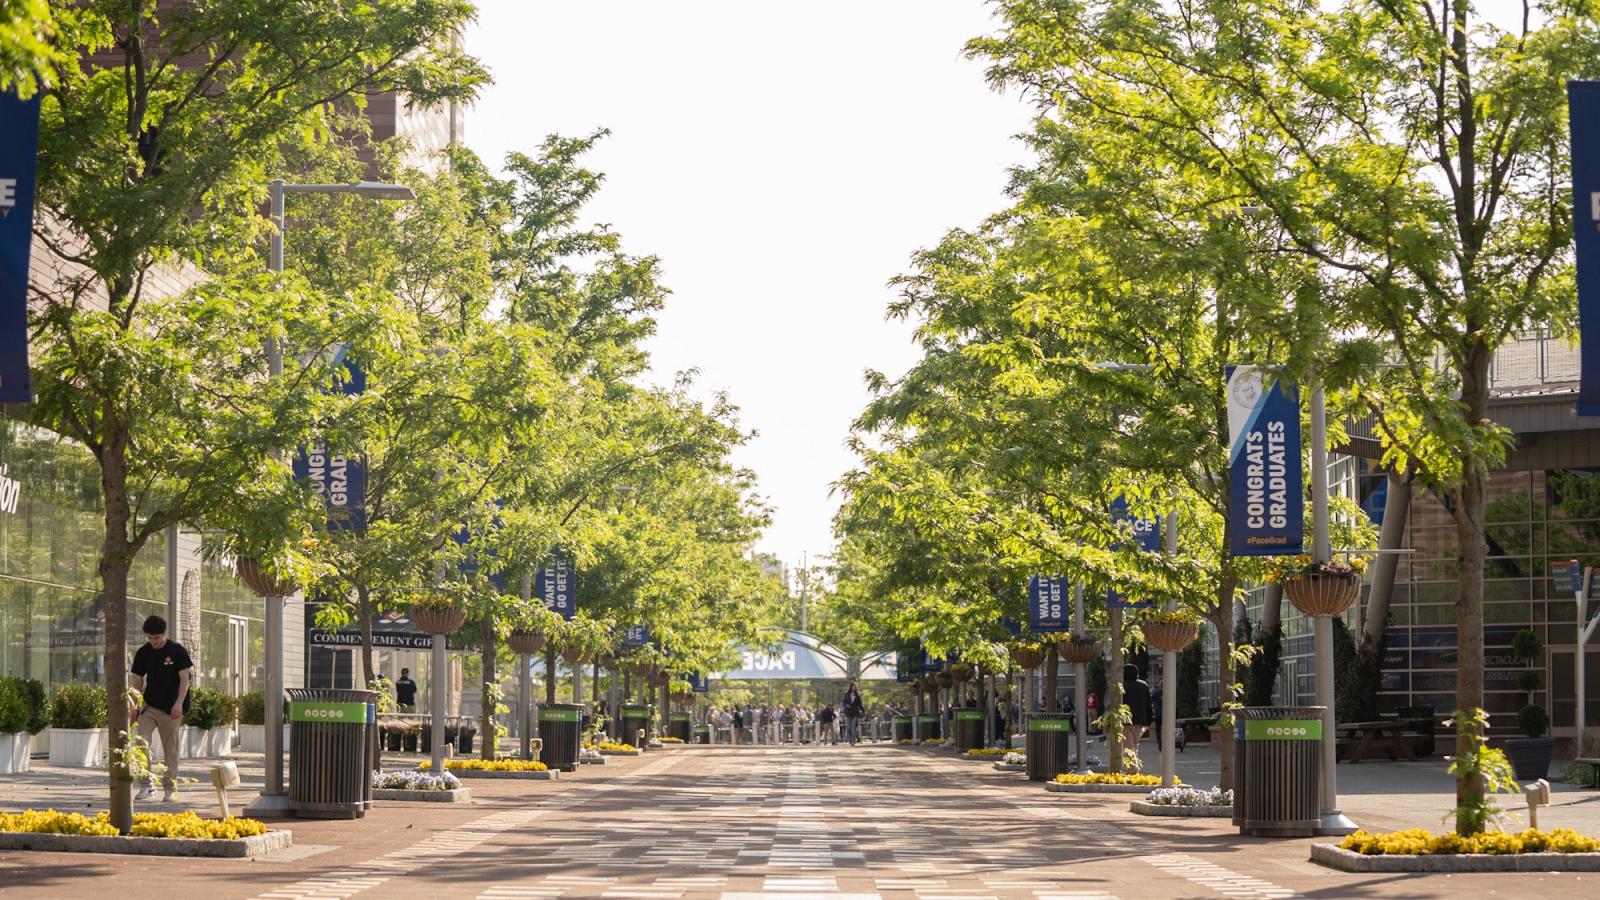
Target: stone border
x=605, y=752
x=1146, y=808
x=235, y=848
x=1010, y=767
x=592, y=761
x=1336, y=857
x=458, y=795
x=986, y=757
x=546, y=775
x=1059, y=788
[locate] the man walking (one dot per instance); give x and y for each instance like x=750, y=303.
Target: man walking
x=161, y=674
x=854, y=709
x=405, y=692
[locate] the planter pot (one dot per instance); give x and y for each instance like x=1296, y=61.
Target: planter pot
x=1530, y=757
x=253, y=738
x=944, y=679
x=205, y=743
x=14, y=753
x=1170, y=637
x=464, y=741
x=391, y=741
x=525, y=642
x=961, y=672
x=459, y=795
x=1145, y=808
x=438, y=621
x=78, y=748
x=249, y=572
x=1027, y=658
x=1078, y=650
x=661, y=679
x=1323, y=595
x=573, y=657
x=408, y=741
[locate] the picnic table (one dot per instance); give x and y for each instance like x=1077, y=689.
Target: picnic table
x=1367, y=739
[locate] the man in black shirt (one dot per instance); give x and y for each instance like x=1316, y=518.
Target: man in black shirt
x=161, y=673
x=405, y=692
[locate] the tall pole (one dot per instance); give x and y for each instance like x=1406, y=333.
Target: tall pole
x=1080, y=690
x=1169, y=692
x=440, y=665
x=1333, y=821
x=272, y=638
x=524, y=688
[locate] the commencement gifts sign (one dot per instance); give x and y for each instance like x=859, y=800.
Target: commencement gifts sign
x=1266, y=513
x=1583, y=110
x=19, y=151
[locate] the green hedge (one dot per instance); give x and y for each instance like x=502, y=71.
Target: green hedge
x=78, y=705
x=23, y=707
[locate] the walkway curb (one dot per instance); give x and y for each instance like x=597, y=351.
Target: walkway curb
x=547, y=775
x=458, y=795
x=1146, y=808
x=235, y=848
x=1059, y=788
x=1336, y=857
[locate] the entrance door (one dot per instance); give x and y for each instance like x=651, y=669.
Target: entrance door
x=1563, y=681
x=238, y=655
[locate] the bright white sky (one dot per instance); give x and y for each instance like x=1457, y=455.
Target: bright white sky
x=784, y=161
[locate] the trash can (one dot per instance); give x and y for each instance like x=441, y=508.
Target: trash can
x=680, y=726
x=1278, y=773
x=1419, y=727
x=930, y=726
x=332, y=737
x=635, y=718
x=969, y=729
x=1049, y=745
x=902, y=728
x=560, y=735
x=702, y=734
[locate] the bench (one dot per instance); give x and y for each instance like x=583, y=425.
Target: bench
x=1593, y=762
x=1197, y=729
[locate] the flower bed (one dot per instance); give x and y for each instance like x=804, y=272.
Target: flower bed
x=1416, y=850
x=1013, y=758
x=669, y=739
x=617, y=748
x=987, y=753
x=1102, y=783
x=1186, y=802
x=412, y=785
x=159, y=834
x=525, y=769
x=935, y=742
x=1119, y=778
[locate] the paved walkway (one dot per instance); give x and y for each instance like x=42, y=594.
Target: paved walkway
x=875, y=821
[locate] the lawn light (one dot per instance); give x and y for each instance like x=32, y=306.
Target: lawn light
x=223, y=777
x=1537, y=793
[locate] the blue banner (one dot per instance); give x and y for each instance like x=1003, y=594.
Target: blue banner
x=469, y=564
x=699, y=683
x=1583, y=111
x=1266, y=509
x=19, y=152
x=1146, y=536
x=556, y=586
x=635, y=636
x=1047, y=604
x=340, y=480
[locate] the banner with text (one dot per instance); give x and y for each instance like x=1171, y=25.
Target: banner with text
x=1583, y=111
x=556, y=587
x=1047, y=604
x=1266, y=506
x=1146, y=536
x=339, y=479
x=19, y=151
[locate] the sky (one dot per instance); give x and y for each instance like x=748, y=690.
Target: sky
x=784, y=161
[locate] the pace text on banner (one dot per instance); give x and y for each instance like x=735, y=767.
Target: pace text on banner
x=1146, y=536
x=1583, y=110
x=1266, y=514
x=19, y=150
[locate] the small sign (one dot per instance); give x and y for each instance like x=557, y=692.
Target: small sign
x=1567, y=573
x=556, y=714
x=682, y=717
x=1049, y=724
x=328, y=711
x=1282, y=729
x=969, y=715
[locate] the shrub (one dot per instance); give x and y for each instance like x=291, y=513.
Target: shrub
x=1525, y=645
x=1417, y=842
x=78, y=705
x=211, y=708
x=253, y=708
x=1533, y=721
x=23, y=707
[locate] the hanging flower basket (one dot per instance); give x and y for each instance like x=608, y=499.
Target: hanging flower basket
x=636, y=669
x=661, y=679
x=1078, y=650
x=573, y=655
x=438, y=620
x=525, y=642
x=943, y=679
x=1027, y=658
x=961, y=672
x=929, y=684
x=1323, y=595
x=249, y=572
x=682, y=698
x=1170, y=637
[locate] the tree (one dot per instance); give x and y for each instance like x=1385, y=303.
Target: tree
x=156, y=154
x=1412, y=152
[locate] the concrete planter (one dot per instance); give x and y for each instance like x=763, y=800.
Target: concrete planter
x=1336, y=857
x=147, y=846
x=1057, y=788
x=253, y=738
x=14, y=753
x=548, y=775
x=1146, y=808
x=592, y=761
x=78, y=748
x=621, y=752
x=459, y=795
x=206, y=743
x=1010, y=767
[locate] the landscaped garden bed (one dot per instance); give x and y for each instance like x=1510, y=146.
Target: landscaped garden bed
x=420, y=787
x=986, y=753
x=1559, y=850
x=614, y=748
x=516, y=769
x=154, y=834
x=1103, y=783
x=1186, y=802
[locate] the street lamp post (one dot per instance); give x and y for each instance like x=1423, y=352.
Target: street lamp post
x=1169, y=681
x=273, y=796
x=1332, y=820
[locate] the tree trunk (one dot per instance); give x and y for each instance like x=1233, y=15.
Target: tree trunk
x=1114, y=692
x=1474, y=551
x=116, y=558
x=1050, y=666
x=549, y=674
x=364, y=610
x=1271, y=607
x=491, y=687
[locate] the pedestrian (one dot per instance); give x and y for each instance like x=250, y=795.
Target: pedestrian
x=853, y=710
x=1091, y=708
x=405, y=692
x=825, y=717
x=1136, y=694
x=738, y=724
x=161, y=671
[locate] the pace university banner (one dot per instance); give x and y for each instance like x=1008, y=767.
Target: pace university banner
x=1583, y=111
x=19, y=151
x=1148, y=538
x=1266, y=506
